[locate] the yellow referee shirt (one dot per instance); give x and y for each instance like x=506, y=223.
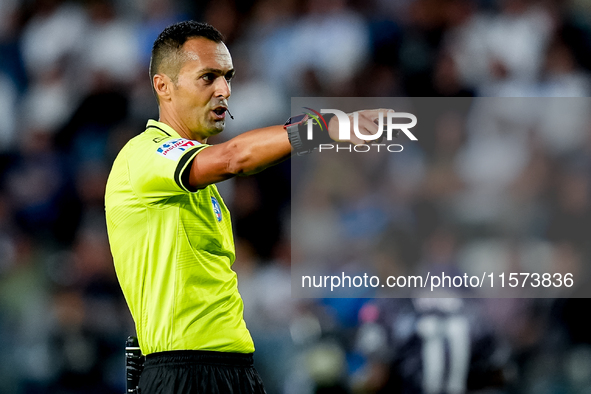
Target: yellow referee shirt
x=173, y=248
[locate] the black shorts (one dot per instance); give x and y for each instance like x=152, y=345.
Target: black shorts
x=194, y=371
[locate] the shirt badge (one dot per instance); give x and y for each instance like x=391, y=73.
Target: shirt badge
x=174, y=149
x=216, y=209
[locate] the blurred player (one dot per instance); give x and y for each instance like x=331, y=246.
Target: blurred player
x=428, y=346
x=169, y=229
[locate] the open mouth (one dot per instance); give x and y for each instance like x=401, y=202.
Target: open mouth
x=219, y=111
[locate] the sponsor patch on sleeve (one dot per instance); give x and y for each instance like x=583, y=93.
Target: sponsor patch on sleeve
x=175, y=148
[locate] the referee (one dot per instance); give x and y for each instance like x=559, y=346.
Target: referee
x=169, y=229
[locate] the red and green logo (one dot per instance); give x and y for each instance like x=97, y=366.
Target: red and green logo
x=318, y=118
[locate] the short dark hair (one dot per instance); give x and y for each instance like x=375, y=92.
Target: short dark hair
x=166, y=51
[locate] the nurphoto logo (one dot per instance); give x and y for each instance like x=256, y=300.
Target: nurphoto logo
x=392, y=130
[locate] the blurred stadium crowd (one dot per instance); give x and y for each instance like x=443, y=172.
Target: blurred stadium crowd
x=74, y=88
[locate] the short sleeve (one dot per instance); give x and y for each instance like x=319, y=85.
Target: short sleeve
x=156, y=166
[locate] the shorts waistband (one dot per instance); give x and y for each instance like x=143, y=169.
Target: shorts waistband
x=187, y=357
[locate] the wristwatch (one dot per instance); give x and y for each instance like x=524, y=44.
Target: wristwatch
x=294, y=132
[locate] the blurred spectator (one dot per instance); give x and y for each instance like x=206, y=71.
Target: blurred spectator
x=437, y=345
x=498, y=53
x=52, y=35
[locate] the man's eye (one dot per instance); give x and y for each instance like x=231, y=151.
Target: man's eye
x=208, y=77
x=229, y=77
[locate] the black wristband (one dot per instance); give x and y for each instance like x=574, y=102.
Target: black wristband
x=297, y=134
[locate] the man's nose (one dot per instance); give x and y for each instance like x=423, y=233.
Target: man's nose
x=222, y=88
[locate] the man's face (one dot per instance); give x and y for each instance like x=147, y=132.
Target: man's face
x=200, y=96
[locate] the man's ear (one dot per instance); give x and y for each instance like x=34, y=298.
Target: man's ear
x=162, y=86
